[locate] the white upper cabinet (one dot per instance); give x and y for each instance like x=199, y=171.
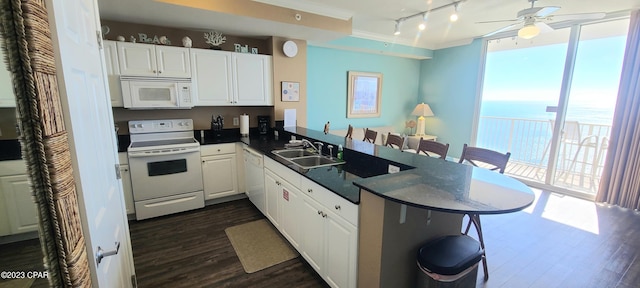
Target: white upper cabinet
x=153, y=60
x=226, y=78
x=212, y=77
x=113, y=73
x=253, y=82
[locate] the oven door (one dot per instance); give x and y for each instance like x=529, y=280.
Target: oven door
x=165, y=172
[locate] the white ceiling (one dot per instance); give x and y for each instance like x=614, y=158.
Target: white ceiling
x=372, y=19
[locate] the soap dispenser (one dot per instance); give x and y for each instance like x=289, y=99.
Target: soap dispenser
x=340, y=155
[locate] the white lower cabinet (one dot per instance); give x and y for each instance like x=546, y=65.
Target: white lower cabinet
x=319, y=223
x=18, y=212
x=219, y=170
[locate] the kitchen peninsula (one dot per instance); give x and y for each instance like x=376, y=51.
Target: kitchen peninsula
x=398, y=212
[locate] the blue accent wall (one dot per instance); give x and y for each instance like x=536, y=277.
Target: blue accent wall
x=327, y=87
x=448, y=83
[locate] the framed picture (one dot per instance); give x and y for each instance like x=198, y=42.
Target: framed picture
x=290, y=91
x=364, y=95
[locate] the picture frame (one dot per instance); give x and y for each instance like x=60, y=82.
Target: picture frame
x=290, y=91
x=364, y=95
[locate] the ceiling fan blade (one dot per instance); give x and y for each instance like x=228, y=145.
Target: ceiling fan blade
x=543, y=27
x=580, y=16
x=498, y=21
x=506, y=28
x=544, y=11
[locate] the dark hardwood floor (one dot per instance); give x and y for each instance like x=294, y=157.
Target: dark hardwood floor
x=191, y=249
x=24, y=256
x=559, y=241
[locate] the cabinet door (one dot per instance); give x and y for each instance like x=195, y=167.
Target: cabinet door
x=253, y=80
x=219, y=176
x=137, y=59
x=312, y=240
x=113, y=73
x=126, y=189
x=173, y=62
x=20, y=205
x=341, y=245
x=272, y=190
x=211, y=71
x=290, y=224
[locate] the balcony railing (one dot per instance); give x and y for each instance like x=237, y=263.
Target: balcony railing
x=580, y=157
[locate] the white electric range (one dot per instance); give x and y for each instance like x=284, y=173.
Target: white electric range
x=166, y=174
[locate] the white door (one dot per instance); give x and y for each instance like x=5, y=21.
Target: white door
x=85, y=99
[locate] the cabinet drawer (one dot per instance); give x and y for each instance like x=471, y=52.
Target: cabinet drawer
x=330, y=200
x=283, y=171
x=217, y=149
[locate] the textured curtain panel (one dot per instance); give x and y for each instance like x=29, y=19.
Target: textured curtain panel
x=29, y=54
x=620, y=184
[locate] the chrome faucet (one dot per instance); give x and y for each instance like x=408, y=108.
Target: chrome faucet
x=308, y=143
x=319, y=144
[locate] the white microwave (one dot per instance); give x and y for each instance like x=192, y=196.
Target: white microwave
x=156, y=93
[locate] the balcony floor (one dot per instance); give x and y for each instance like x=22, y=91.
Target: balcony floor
x=582, y=182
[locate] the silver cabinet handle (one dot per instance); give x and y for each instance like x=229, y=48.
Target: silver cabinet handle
x=324, y=215
x=310, y=190
x=319, y=212
x=101, y=254
x=337, y=207
x=154, y=71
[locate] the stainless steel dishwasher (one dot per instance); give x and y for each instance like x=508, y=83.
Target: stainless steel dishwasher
x=254, y=177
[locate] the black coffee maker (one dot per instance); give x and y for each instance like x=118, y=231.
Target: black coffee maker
x=263, y=124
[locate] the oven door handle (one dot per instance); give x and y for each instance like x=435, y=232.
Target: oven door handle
x=163, y=152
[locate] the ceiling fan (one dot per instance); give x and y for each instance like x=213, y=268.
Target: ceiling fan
x=531, y=20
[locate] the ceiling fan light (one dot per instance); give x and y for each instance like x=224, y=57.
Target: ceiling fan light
x=528, y=31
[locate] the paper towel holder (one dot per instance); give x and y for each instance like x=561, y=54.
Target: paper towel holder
x=244, y=125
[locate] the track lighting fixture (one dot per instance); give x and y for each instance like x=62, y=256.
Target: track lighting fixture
x=424, y=14
x=397, y=31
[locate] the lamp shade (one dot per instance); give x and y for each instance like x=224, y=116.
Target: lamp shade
x=422, y=110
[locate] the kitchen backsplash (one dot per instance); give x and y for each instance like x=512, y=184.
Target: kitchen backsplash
x=201, y=116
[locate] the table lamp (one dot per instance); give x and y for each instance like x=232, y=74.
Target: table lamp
x=421, y=110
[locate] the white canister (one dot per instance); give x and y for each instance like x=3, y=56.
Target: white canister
x=244, y=125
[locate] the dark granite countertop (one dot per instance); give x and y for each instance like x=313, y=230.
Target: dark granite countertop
x=338, y=179
x=430, y=183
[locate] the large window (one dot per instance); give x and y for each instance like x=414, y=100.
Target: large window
x=534, y=87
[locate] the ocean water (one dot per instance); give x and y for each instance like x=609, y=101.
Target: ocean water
x=526, y=132
x=582, y=112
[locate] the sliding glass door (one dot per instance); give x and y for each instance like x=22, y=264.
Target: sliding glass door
x=549, y=101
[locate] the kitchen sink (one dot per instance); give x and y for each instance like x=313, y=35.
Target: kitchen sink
x=309, y=162
x=306, y=159
x=293, y=153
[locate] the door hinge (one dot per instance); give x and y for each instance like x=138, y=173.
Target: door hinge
x=99, y=36
x=118, y=173
x=134, y=281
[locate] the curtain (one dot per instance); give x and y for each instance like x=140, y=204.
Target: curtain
x=620, y=182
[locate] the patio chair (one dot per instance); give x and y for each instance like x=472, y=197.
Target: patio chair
x=494, y=161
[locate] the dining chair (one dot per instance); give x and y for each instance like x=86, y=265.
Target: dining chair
x=429, y=147
x=370, y=135
x=494, y=161
x=349, y=132
x=394, y=141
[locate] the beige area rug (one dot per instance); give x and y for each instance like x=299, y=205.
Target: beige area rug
x=17, y=283
x=259, y=245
